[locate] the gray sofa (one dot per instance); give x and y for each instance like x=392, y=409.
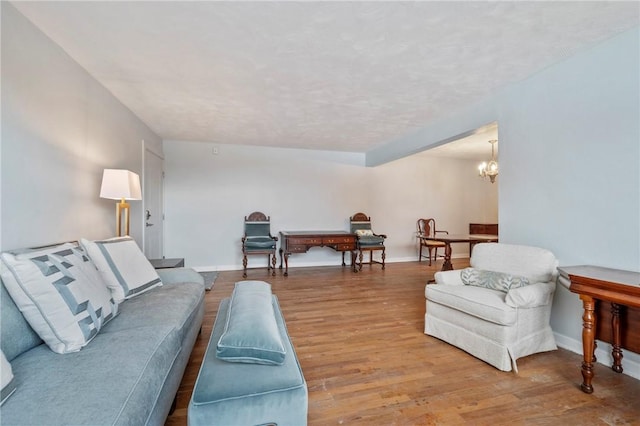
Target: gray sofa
x=127, y=375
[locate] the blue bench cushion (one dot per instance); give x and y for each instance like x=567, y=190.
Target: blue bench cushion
x=251, y=334
x=231, y=393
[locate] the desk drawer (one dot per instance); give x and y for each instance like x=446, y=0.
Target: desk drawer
x=297, y=248
x=346, y=247
x=298, y=241
x=338, y=240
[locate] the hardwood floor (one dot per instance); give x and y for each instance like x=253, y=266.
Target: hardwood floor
x=360, y=341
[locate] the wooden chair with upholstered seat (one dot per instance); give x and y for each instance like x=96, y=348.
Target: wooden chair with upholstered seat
x=258, y=240
x=360, y=224
x=427, y=228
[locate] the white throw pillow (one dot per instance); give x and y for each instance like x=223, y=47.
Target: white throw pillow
x=125, y=269
x=8, y=384
x=61, y=295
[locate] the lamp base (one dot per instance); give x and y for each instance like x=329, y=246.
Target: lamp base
x=122, y=208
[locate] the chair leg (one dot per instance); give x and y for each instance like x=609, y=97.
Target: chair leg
x=273, y=263
x=370, y=257
x=430, y=248
x=244, y=265
x=383, y=257
x=360, y=263
x=420, y=255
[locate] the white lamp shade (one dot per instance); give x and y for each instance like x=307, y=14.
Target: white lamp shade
x=118, y=184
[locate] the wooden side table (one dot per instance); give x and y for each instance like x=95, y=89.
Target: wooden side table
x=595, y=283
x=167, y=263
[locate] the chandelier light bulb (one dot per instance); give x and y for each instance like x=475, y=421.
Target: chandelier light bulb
x=489, y=169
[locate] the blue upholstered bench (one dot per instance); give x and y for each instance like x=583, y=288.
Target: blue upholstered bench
x=246, y=393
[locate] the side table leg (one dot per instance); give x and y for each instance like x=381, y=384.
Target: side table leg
x=280, y=258
x=588, y=335
x=616, y=352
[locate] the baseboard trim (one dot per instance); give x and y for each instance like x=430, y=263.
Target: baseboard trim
x=631, y=367
x=300, y=263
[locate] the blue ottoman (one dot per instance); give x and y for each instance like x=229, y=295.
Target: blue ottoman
x=231, y=393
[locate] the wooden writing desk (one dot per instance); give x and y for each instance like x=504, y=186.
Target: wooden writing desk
x=448, y=239
x=302, y=241
x=594, y=283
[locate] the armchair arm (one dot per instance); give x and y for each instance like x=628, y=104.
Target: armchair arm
x=531, y=296
x=448, y=277
x=380, y=235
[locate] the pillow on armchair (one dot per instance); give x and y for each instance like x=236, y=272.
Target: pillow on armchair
x=492, y=280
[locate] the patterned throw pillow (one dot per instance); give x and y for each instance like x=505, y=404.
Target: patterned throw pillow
x=123, y=266
x=364, y=232
x=493, y=280
x=61, y=295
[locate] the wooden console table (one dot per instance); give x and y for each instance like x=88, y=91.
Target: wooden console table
x=593, y=284
x=302, y=241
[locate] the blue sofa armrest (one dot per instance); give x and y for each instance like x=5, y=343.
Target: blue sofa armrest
x=179, y=275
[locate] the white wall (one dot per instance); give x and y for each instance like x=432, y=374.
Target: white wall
x=208, y=195
x=569, y=166
x=60, y=129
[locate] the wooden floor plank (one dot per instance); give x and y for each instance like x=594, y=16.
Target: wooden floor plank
x=360, y=341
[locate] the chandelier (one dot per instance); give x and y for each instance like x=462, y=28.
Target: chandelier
x=491, y=168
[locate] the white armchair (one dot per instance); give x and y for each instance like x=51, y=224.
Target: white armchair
x=497, y=326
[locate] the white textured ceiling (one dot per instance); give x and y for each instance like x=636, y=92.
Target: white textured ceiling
x=346, y=76
x=473, y=147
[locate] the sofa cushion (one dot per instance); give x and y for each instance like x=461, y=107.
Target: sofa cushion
x=251, y=332
x=16, y=335
x=6, y=376
x=491, y=279
x=477, y=301
x=115, y=380
x=61, y=295
x=174, y=305
x=123, y=266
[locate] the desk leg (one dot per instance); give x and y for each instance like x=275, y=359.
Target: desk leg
x=286, y=264
x=447, y=266
x=343, y=264
x=616, y=352
x=588, y=336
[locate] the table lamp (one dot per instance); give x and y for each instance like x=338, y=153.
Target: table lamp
x=121, y=185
